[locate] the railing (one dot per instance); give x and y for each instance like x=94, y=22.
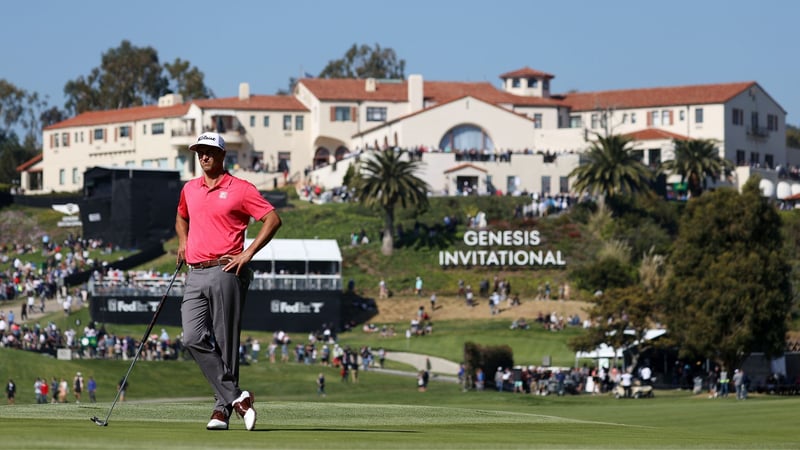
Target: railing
x=156, y=287
x=757, y=131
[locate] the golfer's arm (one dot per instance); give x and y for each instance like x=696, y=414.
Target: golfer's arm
x=270, y=224
x=182, y=230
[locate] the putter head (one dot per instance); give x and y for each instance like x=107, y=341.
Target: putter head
x=98, y=422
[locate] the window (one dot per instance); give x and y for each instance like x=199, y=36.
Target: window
x=754, y=159
x=298, y=123
x=266, y=121
x=287, y=122
x=537, y=120
x=376, y=114
x=341, y=114
x=65, y=138
x=740, y=158
x=61, y=174
x=75, y=137
x=698, y=115
x=738, y=116
x=144, y=128
x=633, y=117
x=158, y=128
x=55, y=140
x=595, y=120
x=655, y=118
x=546, y=184
x=125, y=131
x=575, y=122
x=638, y=155
x=563, y=185
x=665, y=118
x=769, y=161
x=654, y=156
x=98, y=134
x=682, y=115
x=515, y=82
x=532, y=82
x=74, y=175
x=252, y=121
x=624, y=117
x=772, y=122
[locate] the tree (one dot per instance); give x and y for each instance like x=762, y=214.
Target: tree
x=12, y=105
x=386, y=180
x=695, y=161
x=366, y=62
x=792, y=136
x=131, y=76
x=611, y=169
x=623, y=317
x=187, y=80
x=729, y=291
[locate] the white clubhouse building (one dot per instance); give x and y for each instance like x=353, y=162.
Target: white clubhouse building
x=518, y=137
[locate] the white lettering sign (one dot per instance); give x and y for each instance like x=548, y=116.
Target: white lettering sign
x=277, y=306
x=513, y=256
x=115, y=305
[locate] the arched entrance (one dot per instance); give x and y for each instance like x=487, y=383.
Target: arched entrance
x=321, y=157
x=341, y=153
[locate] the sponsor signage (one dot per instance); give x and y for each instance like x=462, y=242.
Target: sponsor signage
x=502, y=248
x=296, y=311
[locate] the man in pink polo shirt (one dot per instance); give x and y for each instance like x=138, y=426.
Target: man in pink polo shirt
x=213, y=213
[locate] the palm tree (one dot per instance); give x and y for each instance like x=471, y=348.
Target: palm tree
x=695, y=160
x=611, y=169
x=386, y=180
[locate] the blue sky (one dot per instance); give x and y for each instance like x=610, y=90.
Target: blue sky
x=587, y=45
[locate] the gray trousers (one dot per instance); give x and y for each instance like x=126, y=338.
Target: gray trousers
x=211, y=313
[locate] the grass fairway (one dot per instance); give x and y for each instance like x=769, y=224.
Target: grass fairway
x=389, y=413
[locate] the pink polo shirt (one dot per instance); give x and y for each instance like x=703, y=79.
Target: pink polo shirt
x=218, y=217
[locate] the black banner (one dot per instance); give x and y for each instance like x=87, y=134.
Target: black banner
x=291, y=311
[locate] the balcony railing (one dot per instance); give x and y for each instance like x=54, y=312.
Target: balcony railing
x=757, y=131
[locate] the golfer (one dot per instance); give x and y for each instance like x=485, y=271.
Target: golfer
x=213, y=213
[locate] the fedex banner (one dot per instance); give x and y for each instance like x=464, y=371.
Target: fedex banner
x=296, y=311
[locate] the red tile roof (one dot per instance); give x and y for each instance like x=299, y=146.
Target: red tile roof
x=654, y=134
x=661, y=96
x=121, y=115
x=255, y=102
x=332, y=90
x=466, y=166
x=27, y=164
x=526, y=72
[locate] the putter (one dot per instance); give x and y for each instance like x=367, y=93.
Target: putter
x=104, y=423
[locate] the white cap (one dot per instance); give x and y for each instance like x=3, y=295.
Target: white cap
x=210, y=139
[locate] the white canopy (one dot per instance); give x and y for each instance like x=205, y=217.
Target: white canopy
x=298, y=250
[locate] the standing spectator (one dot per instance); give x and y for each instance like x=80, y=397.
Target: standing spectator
x=433, y=301
x=383, y=291
x=77, y=387
x=321, y=384
x=37, y=390
x=63, y=390
x=739, y=384
x=11, y=391
x=255, y=349
x=480, y=379
x=122, y=387
x=724, y=381
x=626, y=381
x=91, y=386
x=418, y=286
x=498, y=379
x=45, y=389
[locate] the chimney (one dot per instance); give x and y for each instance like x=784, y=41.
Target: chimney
x=415, y=93
x=370, y=85
x=169, y=100
x=244, y=91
